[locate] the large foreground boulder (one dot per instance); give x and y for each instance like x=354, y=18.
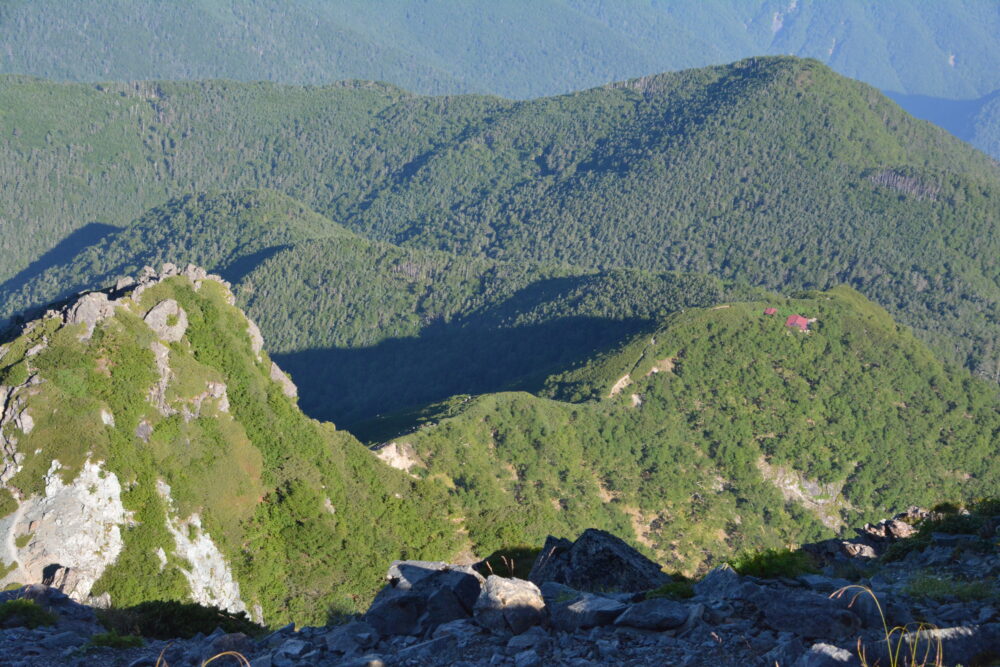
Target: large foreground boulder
x=509, y=605
x=655, y=614
x=570, y=610
x=597, y=562
x=807, y=615
x=421, y=595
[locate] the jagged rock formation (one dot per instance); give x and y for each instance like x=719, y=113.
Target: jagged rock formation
x=596, y=561
x=68, y=531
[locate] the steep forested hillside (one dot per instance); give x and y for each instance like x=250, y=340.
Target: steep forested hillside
x=722, y=430
x=161, y=403
x=774, y=171
x=367, y=327
x=518, y=49
x=151, y=427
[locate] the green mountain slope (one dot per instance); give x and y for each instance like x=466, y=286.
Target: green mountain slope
x=513, y=48
x=367, y=327
x=177, y=420
x=721, y=431
x=172, y=451
x=775, y=171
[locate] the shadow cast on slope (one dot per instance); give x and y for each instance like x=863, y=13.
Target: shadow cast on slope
x=352, y=386
x=239, y=268
x=64, y=252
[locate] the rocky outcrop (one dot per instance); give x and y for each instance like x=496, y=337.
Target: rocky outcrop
x=421, y=595
x=823, y=500
x=167, y=320
x=256, y=340
x=400, y=456
x=89, y=310
x=15, y=421
x=597, y=561
x=69, y=536
x=288, y=387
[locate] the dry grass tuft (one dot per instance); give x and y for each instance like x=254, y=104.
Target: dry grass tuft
x=896, y=637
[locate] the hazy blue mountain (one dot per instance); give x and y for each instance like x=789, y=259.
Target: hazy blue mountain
x=976, y=121
x=515, y=48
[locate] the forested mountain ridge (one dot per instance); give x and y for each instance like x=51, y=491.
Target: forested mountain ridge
x=366, y=327
x=720, y=431
x=774, y=171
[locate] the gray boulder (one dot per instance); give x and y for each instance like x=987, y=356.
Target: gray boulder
x=806, y=614
x=398, y=614
x=655, y=614
x=535, y=639
x=818, y=582
x=721, y=583
x=89, y=310
x=827, y=655
x=509, y=605
x=597, y=562
x=785, y=653
x=962, y=645
x=167, y=320
x=351, y=638
x=570, y=610
x=421, y=595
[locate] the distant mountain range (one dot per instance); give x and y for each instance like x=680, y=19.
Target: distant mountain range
x=512, y=48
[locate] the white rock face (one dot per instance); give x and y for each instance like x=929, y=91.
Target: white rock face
x=401, y=456
x=13, y=414
x=288, y=387
x=256, y=340
x=210, y=578
x=73, y=532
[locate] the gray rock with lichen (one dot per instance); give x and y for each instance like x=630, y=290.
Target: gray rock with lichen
x=89, y=310
x=168, y=320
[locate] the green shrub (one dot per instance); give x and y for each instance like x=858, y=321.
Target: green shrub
x=679, y=589
x=955, y=524
x=986, y=507
x=114, y=640
x=941, y=587
x=25, y=613
x=169, y=619
x=773, y=563
x=946, y=508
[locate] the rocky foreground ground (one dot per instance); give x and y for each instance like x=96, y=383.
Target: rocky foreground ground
x=589, y=602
